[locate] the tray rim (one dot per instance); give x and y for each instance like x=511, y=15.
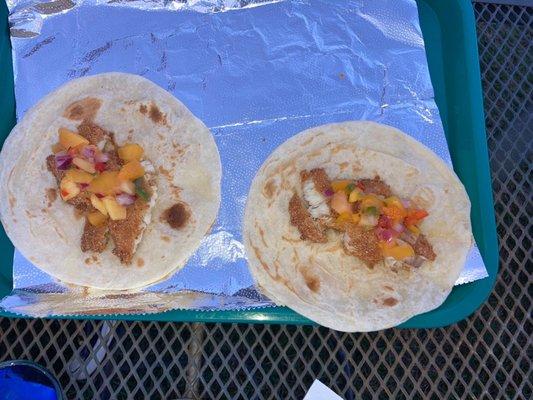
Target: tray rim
x=467, y=297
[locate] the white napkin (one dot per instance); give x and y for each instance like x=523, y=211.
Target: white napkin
x=319, y=391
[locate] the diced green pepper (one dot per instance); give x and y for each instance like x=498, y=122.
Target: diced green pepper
x=371, y=210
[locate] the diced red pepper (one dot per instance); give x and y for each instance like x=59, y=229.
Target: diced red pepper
x=100, y=166
x=414, y=217
x=420, y=214
x=361, y=186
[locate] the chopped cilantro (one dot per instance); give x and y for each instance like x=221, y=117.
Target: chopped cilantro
x=139, y=189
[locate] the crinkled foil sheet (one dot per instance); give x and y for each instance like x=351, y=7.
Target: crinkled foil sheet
x=256, y=73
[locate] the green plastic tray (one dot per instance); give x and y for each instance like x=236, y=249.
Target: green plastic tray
x=450, y=36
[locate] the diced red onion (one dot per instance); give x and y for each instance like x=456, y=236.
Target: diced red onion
x=406, y=203
x=83, y=186
x=328, y=192
x=88, y=152
x=385, y=234
x=125, y=199
x=398, y=227
x=101, y=157
x=63, y=160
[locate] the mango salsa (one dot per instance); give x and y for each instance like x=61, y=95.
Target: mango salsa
x=78, y=176
x=127, y=187
x=84, y=165
x=56, y=148
x=131, y=171
x=400, y=252
x=130, y=152
x=96, y=218
x=370, y=200
x=394, y=201
x=115, y=210
x=106, y=183
x=69, y=139
x=68, y=189
x=98, y=204
x=355, y=195
x=340, y=184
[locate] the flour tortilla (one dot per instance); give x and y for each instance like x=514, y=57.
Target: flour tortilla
x=180, y=147
x=322, y=282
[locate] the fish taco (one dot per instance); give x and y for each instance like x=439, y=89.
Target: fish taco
x=356, y=226
x=109, y=182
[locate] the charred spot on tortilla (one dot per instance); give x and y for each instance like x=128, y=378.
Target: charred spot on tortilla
x=51, y=195
x=140, y=262
x=84, y=109
x=269, y=188
x=154, y=113
x=376, y=226
x=390, y=302
x=177, y=215
x=312, y=282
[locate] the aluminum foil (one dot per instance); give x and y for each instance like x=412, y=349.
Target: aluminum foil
x=256, y=73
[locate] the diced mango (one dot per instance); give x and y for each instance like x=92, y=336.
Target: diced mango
x=344, y=217
x=57, y=147
x=69, y=139
x=394, y=201
x=355, y=195
x=106, y=183
x=339, y=202
x=340, y=185
x=84, y=165
x=131, y=171
x=127, y=187
x=115, y=210
x=130, y=152
x=78, y=176
x=414, y=229
x=96, y=218
x=68, y=189
x=400, y=252
x=98, y=204
x=370, y=200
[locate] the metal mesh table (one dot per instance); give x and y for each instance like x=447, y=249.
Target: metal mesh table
x=487, y=355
